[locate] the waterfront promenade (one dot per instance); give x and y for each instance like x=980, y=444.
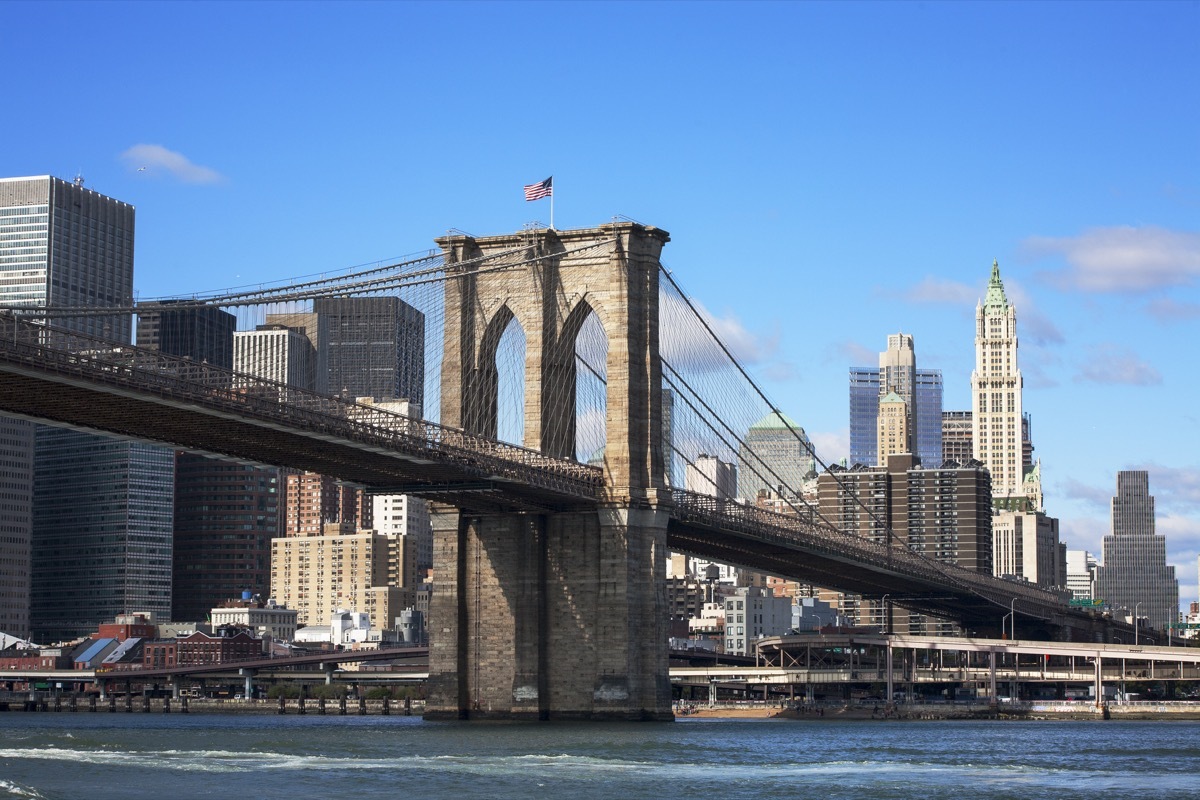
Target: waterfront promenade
x=829, y=710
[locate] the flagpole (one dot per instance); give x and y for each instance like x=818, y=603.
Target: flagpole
x=551, y=202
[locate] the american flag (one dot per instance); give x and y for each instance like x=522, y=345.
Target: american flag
x=536, y=191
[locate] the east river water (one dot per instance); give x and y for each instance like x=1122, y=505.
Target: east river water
x=128, y=756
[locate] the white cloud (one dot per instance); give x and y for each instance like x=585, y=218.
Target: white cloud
x=1035, y=326
x=1096, y=496
x=854, y=354
x=1176, y=488
x=1110, y=364
x=1122, y=258
x=1182, y=535
x=155, y=160
x=831, y=447
x=685, y=344
x=1084, y=533
x=1169, y=309
x=936, y=290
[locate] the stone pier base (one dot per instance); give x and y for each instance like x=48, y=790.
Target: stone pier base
x=549, y=617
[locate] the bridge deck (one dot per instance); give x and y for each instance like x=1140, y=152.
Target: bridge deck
x=61, y=377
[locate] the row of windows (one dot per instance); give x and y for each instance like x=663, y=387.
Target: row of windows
x=15, y=233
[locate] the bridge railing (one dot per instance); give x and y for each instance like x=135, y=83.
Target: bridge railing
x=66, y=353
x=789, y=530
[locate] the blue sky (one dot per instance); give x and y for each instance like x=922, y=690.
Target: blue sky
x=829, y=174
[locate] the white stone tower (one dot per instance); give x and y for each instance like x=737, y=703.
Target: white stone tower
x=996, y=392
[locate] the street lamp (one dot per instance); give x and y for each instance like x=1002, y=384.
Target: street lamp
x=1135, y=621
x=883, y=611
x=1012, y=612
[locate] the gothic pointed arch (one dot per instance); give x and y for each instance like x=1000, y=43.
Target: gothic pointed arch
x=481, y=400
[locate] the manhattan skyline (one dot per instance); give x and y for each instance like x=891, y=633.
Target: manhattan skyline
x=829, y=174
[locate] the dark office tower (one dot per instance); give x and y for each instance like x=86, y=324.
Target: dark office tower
x=374, y=347
x=1135, y=575
x=226, y=513
x=102, y=531
x=16, y=523
x=201, y=333
x=944, y=513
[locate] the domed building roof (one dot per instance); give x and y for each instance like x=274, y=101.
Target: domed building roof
x=776, y=421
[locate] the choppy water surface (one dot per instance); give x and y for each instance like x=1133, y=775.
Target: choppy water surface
x=100, y=756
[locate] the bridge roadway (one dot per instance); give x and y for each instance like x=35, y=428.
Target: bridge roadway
x=419, y=656
x=793, y=662
x=57, y=377
x=810, y=660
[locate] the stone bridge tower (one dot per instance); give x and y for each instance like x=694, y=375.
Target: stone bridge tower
x=555, y=614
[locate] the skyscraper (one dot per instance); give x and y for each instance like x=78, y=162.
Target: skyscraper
x=276, y=353
x=711, y=476
x=375, y=347
x=776, y=456
x=893, y=436
x=944, y=513
x=16, y=524
x=1026, y=546
x=864, y=415
x=1135, y=575
x=996, y=382
x=1081, y=574
x=315, y=329
x=919, y=389
x=201, y=333
x=65, y=246
x=101, y=540
x=956, y=437
x=102, y=531
x=226, y=516
x=226, y=512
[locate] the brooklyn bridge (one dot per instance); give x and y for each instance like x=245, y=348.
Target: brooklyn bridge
x=566, y=381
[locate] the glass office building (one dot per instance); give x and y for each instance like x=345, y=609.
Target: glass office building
x=864, y=411
x=102, y=537
x=16, y=523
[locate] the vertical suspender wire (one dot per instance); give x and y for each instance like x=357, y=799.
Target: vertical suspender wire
x=688, y=301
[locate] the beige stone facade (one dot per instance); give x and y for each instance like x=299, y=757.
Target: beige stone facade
x=1025, y=546
x=894, y=437
x=343, y=569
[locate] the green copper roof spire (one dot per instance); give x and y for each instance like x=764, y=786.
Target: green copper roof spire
x=995, y=298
